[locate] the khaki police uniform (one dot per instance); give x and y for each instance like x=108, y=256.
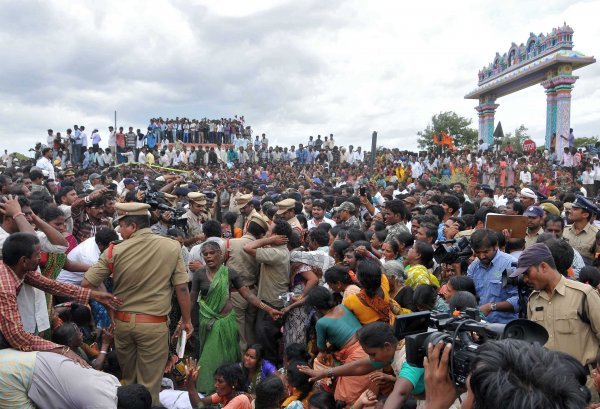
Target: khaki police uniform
x=532, y=238
x=582, y=241
x=194, y=222
x=145, y=269
x=285, y=205
x=247, y=268
x=560, y=313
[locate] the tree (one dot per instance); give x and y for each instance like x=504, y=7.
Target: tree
x=517, y=140
x=586, y=140
x=449, y=122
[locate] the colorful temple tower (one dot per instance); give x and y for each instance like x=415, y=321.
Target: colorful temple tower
x=548, y=60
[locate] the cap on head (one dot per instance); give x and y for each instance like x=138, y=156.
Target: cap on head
x=128, y=181
x=285, y=205
x=532, y=256
x=583, y=203
x=260, y=220
x=349, y=206
x=534, y=211
x=550, y=209
x=526, y=192
x=132, y=209
x=243, y=200
x=197, y=197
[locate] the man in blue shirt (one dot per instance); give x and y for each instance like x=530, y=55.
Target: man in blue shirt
x=498, y=302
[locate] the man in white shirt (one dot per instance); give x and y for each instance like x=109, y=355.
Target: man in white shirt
x=83, y=136
x=112, y=141
x=45, y=162
x=50, y=138
x=142, y=156
x=525, y=176
x=587, y=178
x=318, y=212
x=87, y=252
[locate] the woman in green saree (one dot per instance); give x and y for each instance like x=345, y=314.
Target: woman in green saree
x=217, y=326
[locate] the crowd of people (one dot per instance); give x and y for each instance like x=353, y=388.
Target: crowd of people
x=246, y=275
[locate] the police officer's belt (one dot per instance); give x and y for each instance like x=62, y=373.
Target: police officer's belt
x=140, y=318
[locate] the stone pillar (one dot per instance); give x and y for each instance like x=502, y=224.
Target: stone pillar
x=550, y=113
x=486, y=111
x=559, y=85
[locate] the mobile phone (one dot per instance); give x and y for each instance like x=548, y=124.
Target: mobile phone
x=363, y=191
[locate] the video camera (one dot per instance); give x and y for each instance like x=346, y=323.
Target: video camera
x=460, y=247
x=157, y=200
x=466, y=332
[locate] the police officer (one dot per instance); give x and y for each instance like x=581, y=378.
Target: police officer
x=568, y=309
x=582, y=233
x=146, y=269
x=245, y=206
x=196, y=215
x=286, y=212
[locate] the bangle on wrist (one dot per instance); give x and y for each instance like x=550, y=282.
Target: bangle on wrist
x=18, y=214
x=103, y=352
x=330, y=373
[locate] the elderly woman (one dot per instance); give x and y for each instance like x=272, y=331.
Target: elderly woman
x=402, y=294
x=217, y=327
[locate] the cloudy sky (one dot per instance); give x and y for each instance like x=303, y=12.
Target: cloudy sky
x=293, y=68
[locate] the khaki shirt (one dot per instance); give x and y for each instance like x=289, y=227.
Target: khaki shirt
x=247, y=219
x=194, y=224
x=295, y=223
x=532, y=238
x=274, y=274
x=146, y=267
x=583, y=241
x=558, y=313
x=242, y=262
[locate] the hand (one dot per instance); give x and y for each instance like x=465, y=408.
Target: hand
x=451, y=231
x=367, y=399
x=192, y=370
x=77, y=359
x=361, y=251
x=107, y=336
x=167, y=216
x=363, y=200
x=139, y=195
x=10, y=207
x=187, y=327
x=507, y=233
x=107, y=299
x=486, y=309
x=275, y=314
x=380, y=378
x=314, y=375
x=441, y=392
x=596, y=377
x=278, y=240
x=98, y=193
x=195, y=264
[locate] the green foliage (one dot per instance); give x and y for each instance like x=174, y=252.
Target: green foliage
x=587, y=140
x=450, y=122
x=517, y=140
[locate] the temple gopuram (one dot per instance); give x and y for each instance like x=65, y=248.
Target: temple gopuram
x=548, y=60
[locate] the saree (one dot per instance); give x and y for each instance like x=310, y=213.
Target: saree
x=218, y=334
x=53, y=264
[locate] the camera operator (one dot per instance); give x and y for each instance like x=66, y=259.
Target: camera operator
x=508, y=374
x=498, y=302
x=568, y=309
x=164, y=223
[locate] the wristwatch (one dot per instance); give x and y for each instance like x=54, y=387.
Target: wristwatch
x=493, y=305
